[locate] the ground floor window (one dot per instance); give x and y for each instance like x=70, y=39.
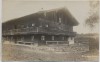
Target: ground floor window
x=42, y=37
x=32, y=38
x=22, y=38
x=63, y=38
x=52, y=37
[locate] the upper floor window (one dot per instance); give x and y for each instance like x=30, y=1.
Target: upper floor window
x=22, y=26
x=59, y=20
x=40, y=26
x=59, y=27
x=40, y=19
x=44, y=13
x=27, y=26
x=15, y=26
x=33, y=24
x=46, y=25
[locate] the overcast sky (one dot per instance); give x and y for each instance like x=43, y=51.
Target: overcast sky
x=18, y=8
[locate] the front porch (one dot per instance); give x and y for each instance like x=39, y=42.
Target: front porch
x=40, y=39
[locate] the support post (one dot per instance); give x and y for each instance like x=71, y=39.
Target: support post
x=57, y=42
x=46, y=42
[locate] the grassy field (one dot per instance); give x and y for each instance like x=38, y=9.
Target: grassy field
x=20, y=52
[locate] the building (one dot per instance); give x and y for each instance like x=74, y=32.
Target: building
x=44, y=27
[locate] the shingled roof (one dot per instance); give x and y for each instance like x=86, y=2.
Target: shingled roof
x=23, y=18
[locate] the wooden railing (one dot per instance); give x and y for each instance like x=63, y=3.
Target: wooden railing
x=20, y=31
x=40, y=30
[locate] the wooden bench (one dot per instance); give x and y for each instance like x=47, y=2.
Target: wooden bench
x=56, y=42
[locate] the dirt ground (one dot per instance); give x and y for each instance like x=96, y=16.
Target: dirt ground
x=20, y=53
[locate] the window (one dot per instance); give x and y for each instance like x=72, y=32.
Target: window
x=27, y=26
x=32, y=38
x=52, y=37
x=42, y=37
x=21, y=26
x=63, y=38
x=59, y=20
x=46, y=25
x=59, y=27
x=33, y=24
x=44, y=13
x=15, y=26
x=40, y=26
x=40, y=18
x=71, y=38
x=22, y=38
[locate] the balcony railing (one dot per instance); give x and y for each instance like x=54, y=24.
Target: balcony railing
x=38, y=30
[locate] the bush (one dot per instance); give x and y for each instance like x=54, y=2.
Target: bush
x=93, y=43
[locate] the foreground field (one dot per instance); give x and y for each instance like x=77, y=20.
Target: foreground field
x=21, y=52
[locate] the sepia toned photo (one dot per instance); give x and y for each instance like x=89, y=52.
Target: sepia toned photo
x=50, y=30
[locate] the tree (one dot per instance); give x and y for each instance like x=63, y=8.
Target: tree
x=93, y=18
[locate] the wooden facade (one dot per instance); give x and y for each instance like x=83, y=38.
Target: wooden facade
x=44, y=27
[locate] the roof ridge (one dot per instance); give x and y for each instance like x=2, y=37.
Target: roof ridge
x=52, y=9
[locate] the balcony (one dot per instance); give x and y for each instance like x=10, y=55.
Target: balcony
x=38, y=30
x=20, y=31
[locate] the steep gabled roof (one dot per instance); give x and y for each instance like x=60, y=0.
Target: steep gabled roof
x=68, y=14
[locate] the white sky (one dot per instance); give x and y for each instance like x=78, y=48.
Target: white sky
x=18, y=8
